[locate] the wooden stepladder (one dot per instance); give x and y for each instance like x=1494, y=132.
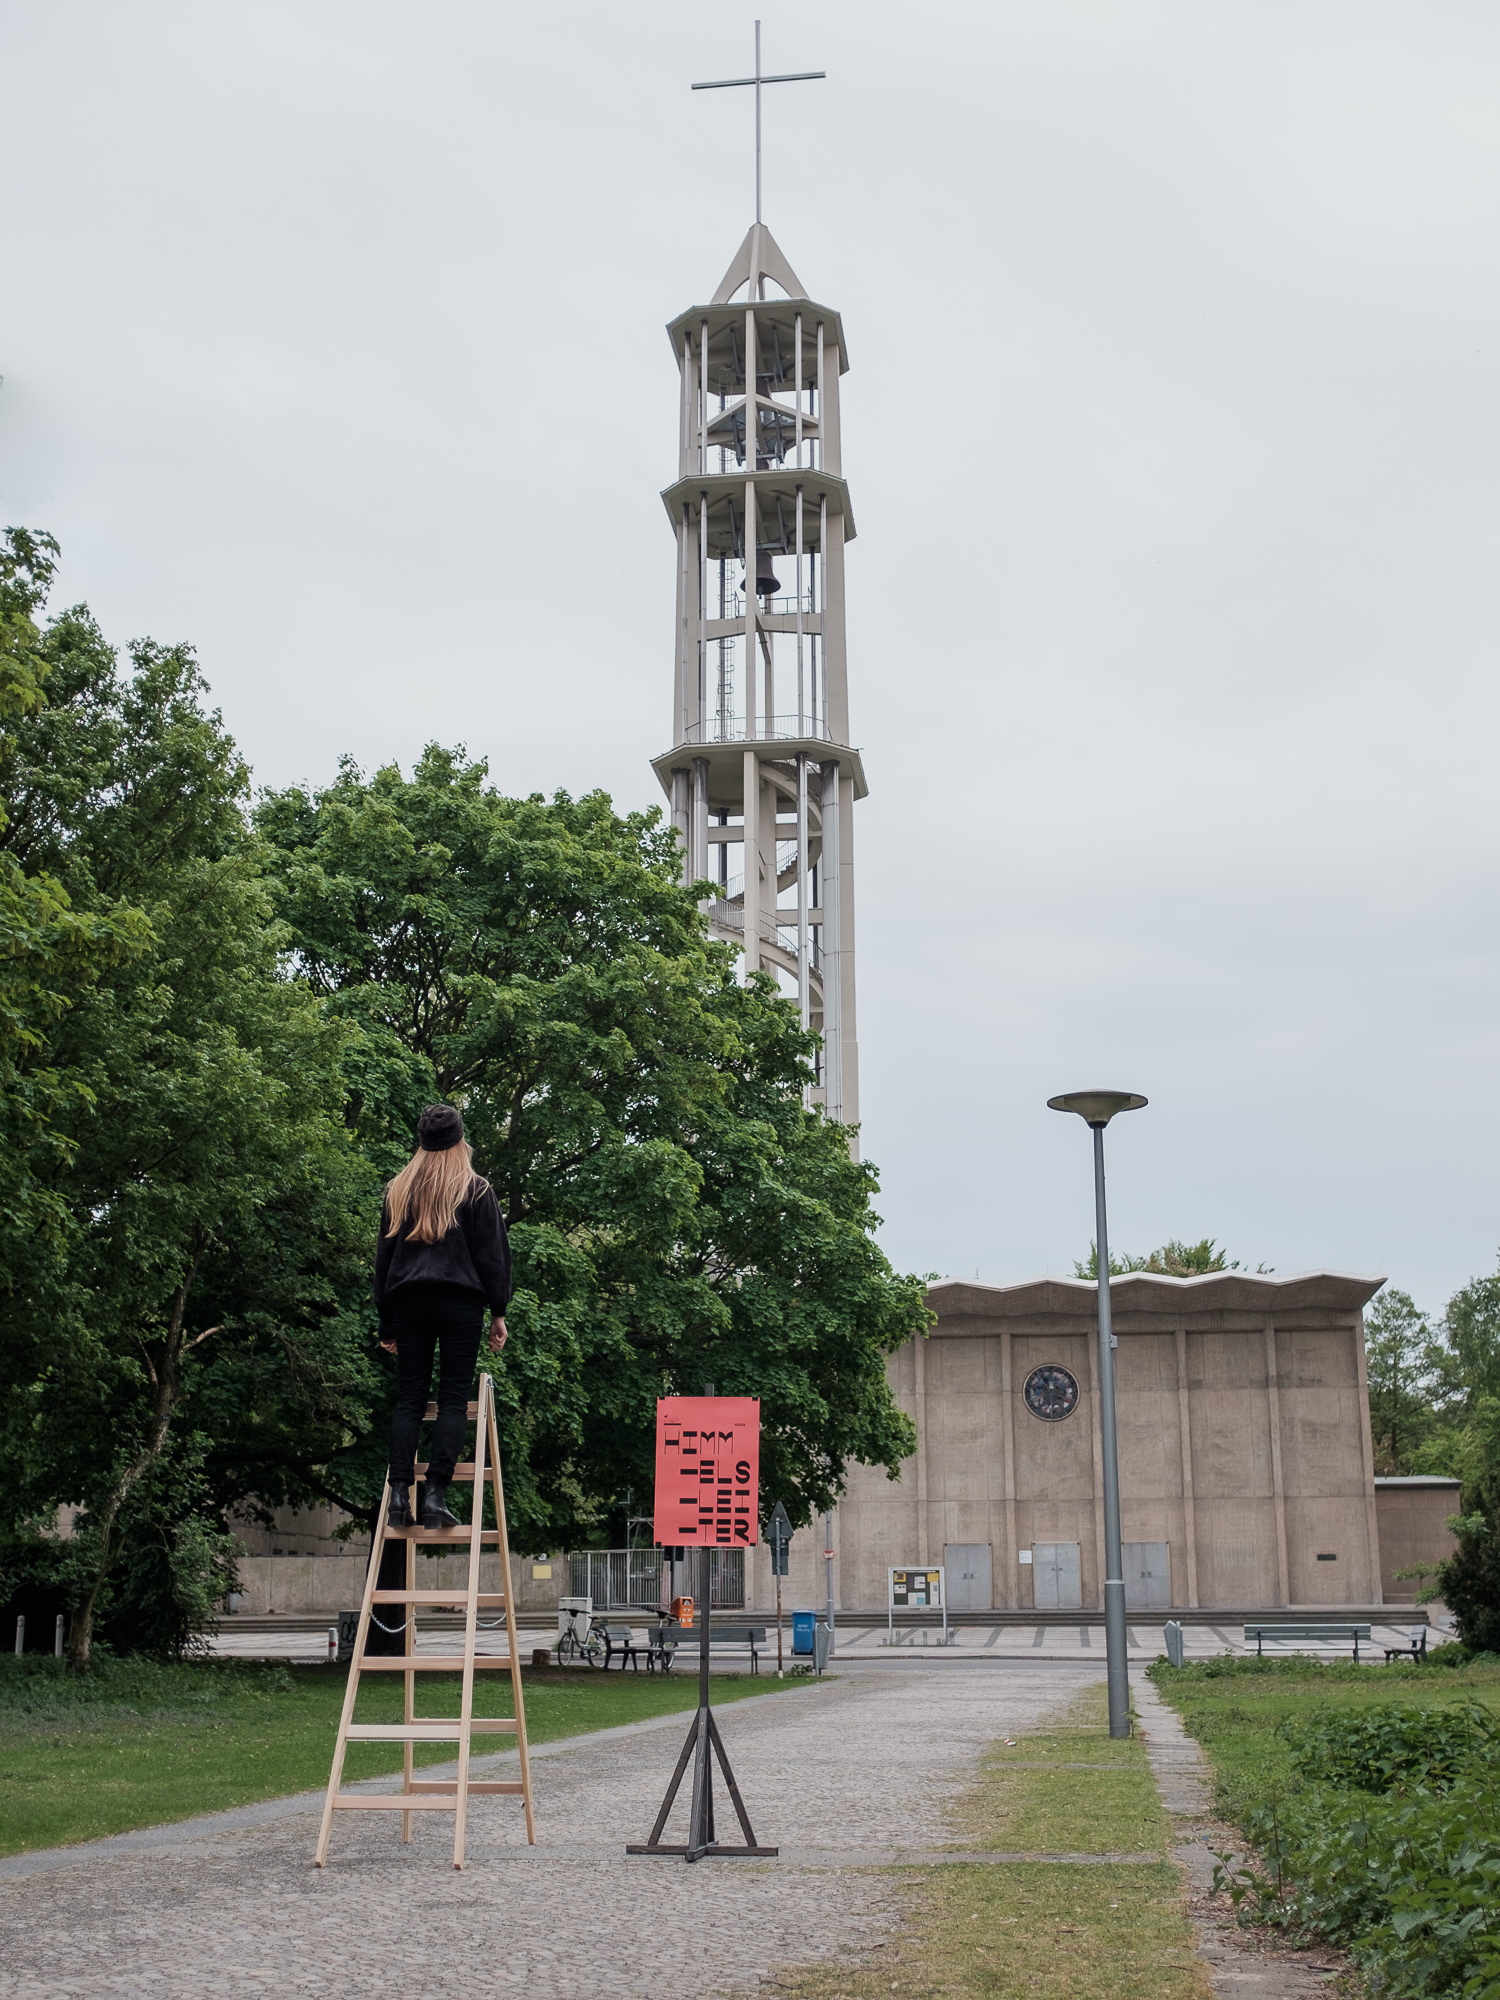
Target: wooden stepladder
x=453, y=1794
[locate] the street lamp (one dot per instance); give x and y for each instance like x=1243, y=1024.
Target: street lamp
x=1096, y=1108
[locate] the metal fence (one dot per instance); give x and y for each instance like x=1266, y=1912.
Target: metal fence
x=619, y=1578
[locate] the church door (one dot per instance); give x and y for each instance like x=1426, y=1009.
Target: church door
x=1054, y=1576
x=968, y=1567
x=1148, y=1576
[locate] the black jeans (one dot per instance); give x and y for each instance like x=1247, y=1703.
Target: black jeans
x=425, y=1318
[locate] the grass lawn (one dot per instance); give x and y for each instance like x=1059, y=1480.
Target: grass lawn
x=137, y=1743
x=1235, y=1713
x=1110, y=1931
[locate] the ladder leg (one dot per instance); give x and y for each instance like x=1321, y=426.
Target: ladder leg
x=409, y=1709
x=471, y=1631
x=507, y=1584
x=356, y=1665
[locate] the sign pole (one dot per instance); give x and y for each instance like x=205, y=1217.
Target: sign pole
x=781, y=1535
x=707, y=1487
x=701, y=1817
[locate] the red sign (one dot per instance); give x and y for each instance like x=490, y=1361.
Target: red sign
x=707, y=1471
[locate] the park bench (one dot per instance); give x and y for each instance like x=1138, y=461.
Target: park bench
x=667, y=1638
x=1414, y=1649
x=619, y=1639
x=1308, y=1635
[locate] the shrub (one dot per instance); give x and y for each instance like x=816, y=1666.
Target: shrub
x=1452, y=1653
x=1395, y=1745
x=1469, y=1580
x=1390, y=1845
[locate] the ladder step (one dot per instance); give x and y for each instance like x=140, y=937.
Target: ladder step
x=487, y=1600
x=463, y=1470
x=471, y=1411
x=402, y=1732
x=429, y=1663
x=381, y=1802
x=453, y=1538
x=475, y=1785
x=431, y=1729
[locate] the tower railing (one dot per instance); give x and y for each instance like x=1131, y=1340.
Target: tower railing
x=768, y=729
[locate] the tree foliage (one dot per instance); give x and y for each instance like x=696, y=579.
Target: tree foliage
x=1172, y=1260
x=203, y=1102
x=1442, y=1395
x=50, y=953
x=676, y=1214
x=217, y=1029
x=1402, y=1361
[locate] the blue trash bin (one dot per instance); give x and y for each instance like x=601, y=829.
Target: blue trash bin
x=802, y=1631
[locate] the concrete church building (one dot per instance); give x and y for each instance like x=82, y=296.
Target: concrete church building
x=1246, y=1475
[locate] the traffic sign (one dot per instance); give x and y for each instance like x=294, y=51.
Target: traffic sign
x=779, y=1534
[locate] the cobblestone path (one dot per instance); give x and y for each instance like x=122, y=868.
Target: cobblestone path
x=867, y=1761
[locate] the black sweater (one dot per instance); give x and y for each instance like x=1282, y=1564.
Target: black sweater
x=473, y=1257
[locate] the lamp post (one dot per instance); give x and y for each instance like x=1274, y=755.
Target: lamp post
x=1096, y=1108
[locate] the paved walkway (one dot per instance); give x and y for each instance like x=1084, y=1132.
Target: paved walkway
x=854, y=1772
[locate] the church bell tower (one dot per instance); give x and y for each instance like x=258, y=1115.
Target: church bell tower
x=760, y=775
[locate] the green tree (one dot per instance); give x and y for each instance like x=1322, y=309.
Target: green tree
x=1401, y=1358
x=49, y=952
x=206, y=1111
x=1468, y=1581
x=1471, y=1332
x=676, y=1214
x=1173, y=1260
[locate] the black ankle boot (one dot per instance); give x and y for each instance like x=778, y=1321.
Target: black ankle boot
x=434, y=1506
x=400, y=1515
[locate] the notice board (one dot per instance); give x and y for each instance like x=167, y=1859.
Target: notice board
x=707, y=1471
x=912, y=1587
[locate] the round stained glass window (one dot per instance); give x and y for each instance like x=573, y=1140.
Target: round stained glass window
x=1051, y=1393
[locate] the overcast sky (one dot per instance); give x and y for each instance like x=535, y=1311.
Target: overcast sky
x=332, y=342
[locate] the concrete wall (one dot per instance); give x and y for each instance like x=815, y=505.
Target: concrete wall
x=1413, y=1516
x=1244, y=1447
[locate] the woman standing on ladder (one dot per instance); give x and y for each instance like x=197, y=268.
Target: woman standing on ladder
x=441, y=1258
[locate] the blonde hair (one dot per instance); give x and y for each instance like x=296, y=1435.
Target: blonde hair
x=430, y=1189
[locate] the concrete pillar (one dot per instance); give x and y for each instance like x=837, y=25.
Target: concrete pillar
x=681, y=818
x=699, y=847
x=1374, y=1591
x=832, y=886
x=1185, y=1436
x=752, y=861
x=1010, y=1594
x=919, y=1359
x=1097, y=1475
x=1278, y=1494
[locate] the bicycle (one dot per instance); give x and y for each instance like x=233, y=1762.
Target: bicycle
x=580, y=1643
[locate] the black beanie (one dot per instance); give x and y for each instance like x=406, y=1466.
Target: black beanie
x=438, y=1128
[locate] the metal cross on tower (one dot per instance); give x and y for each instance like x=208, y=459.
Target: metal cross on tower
x=761, y=766
x=737, y=82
